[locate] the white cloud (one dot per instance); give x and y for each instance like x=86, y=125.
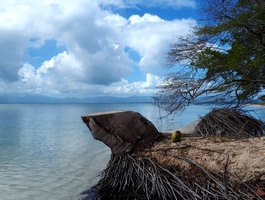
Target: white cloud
x=151, y=36
x=12, y=43
x=147, y=87
x=40, y=82
x=147, y=18
x=94, y=60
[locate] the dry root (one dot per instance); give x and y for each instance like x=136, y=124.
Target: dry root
x=128, y=177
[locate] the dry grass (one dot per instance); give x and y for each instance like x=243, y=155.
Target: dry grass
x=230, y=122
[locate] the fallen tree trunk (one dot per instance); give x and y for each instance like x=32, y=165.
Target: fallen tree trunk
x=122, y=131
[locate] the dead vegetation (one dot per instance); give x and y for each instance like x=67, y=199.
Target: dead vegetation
x=198, y=167
x=130, y=177
x=229, y=122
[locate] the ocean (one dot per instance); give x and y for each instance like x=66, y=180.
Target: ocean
x=48, y=153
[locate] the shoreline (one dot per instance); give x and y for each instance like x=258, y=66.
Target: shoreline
x=195, y=166
x=185, y=130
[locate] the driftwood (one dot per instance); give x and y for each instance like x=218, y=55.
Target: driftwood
x=122, y=131
x=212, y=167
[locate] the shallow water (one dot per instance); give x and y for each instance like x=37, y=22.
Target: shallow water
x=47, y=152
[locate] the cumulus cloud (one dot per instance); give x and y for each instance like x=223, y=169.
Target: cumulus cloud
x=45, y=84
x=12, y=42
x=150, y=36
x=94, y=60
x=146, y=87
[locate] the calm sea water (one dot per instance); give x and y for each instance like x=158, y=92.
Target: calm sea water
x=48, y=153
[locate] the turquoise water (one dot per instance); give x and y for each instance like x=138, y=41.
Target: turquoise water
x=47, y=152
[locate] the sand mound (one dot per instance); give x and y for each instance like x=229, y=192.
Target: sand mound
x=243, y=157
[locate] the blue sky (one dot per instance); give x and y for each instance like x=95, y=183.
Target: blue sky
x=83, y=48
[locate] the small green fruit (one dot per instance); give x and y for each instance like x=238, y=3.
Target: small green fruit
x=176, y=136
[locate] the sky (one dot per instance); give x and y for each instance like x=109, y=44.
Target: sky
x=86, y=48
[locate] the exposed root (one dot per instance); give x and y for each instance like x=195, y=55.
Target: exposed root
x=139, y=178
x=128, y=177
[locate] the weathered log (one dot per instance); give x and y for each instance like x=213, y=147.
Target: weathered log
x=122, y=131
